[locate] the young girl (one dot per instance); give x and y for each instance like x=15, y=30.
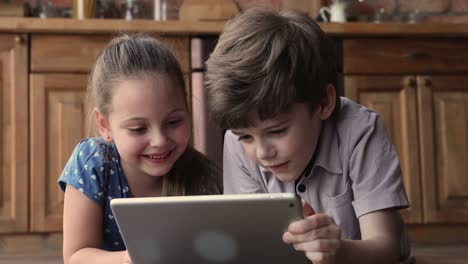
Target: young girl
x=143, y=118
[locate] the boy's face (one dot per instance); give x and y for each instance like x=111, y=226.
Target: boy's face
x=283, y=145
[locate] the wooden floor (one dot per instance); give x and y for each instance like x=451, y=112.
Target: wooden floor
x=441, y=254
x=31, y=259
x=425, y=254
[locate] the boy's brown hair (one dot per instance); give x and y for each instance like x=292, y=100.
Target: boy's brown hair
x=264, y=62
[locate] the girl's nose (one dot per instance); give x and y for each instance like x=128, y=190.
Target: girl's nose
x=158, y=139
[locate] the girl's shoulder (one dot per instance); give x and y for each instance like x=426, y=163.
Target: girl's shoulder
x=92, y=144
x=95, y=150
x=88, y=166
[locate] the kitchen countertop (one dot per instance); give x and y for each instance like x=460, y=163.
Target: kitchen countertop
x=99, y=26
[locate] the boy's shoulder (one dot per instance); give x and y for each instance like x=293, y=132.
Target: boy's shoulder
x=355, y=121
x=354, y=114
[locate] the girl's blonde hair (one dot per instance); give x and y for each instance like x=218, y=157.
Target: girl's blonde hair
x=136, y=56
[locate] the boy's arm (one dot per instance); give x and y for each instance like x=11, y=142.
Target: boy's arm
x=319, y=237
x=381, y=235
x=82, y=229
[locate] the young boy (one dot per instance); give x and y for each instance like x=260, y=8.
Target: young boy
x=271, y=82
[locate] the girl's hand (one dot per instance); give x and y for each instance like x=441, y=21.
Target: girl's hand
x=127, y=259
x=317, y=235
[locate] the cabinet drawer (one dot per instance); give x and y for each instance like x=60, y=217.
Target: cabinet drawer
x=77, y=53
x=387, y=56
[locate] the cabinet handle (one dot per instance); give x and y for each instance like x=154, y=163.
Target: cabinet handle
x=411, y=82
x=19, y=39
x=427, y=82
x=418, y=55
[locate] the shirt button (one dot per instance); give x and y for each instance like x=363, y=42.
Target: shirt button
x=301, y=188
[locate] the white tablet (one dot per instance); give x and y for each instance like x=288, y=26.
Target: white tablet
x=238, y=229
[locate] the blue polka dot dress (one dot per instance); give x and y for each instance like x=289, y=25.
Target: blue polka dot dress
x=94, y=169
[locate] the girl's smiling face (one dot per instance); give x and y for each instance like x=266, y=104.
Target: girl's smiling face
x=149, y=123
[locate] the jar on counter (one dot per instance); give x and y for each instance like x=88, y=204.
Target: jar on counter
x=83, y=9
x=166, y=9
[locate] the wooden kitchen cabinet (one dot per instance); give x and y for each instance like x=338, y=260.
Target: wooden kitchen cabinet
x=59, y=120
x=443, y=123
x=59, y=117
x=14, y=167
x=420, y=89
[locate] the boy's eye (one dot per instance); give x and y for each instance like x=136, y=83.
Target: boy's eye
x=137, y=130
x=244, y=138
x=279, y=131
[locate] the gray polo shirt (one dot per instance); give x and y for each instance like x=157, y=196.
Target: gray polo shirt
x=355, y=170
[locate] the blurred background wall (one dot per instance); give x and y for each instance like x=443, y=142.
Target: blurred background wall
x=433, y=11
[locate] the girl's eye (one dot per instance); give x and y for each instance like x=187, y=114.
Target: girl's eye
x=174, y=122
x=137, y=130
x=279, y=131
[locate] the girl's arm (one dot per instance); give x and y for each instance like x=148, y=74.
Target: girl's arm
x=82, y=231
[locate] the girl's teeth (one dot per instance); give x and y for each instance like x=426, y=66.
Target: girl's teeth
x=158, y=156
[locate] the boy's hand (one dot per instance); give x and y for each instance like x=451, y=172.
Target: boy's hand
x=317, y=235
x=307, y=210
x=127, y=259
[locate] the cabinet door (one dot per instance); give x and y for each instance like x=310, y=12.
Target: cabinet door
x=77, y=53
x=14, y=167
x=394, y=98
x=59, y=120
x=443, y=117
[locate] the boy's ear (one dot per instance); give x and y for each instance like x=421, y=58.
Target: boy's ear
x=328, y=104
x=103, y=125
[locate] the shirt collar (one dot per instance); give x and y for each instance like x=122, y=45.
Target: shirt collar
x=327, y=153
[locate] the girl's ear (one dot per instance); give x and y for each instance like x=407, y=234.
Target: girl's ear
x=328, y=104
x=103, y=125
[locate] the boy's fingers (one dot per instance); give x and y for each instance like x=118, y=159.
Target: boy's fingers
x=327, y=232
x=307, y=209
x=310, y=223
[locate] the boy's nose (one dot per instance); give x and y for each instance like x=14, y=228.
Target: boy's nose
x=265, y=151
